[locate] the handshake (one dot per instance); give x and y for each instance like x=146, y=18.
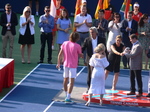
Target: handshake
x=127, y=50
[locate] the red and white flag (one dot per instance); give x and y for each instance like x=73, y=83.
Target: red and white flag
x=53, y=8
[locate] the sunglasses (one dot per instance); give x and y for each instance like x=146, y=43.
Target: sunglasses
x=145, y=18
x=47, y=10
x=9, y=8
x=28, y=11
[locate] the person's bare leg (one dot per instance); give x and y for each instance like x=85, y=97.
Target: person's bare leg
x=71, y=84
x=22, y=47
x=106, y=74
x=54, y=37
x=101, y=99
x=115, y=80
x=89, y=100
x=29, y=48
x=65, y=83
x=146, y=60
x=70, y=87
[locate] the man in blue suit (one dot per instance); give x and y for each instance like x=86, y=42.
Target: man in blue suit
x=129, y=26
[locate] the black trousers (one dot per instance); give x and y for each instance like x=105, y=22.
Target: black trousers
x=49, y=38
x=136, y=74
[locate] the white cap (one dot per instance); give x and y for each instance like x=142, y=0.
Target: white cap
x=136, y=5
x=83, y=1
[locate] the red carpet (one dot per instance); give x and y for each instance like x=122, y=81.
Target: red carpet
x=119, y=97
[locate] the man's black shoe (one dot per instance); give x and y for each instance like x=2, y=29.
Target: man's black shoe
x=39, y=62
x=49, y=62
x=148, y=95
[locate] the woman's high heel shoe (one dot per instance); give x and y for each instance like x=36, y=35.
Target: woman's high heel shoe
x=87, y=104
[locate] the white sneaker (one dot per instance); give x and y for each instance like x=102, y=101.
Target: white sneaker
x=53, y=48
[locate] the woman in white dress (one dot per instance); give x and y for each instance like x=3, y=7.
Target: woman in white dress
x=114, y=30
x=98, y=62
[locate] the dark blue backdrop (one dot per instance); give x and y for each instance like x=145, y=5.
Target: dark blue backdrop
x=18, y=5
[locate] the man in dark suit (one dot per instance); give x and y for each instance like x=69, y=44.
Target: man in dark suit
x=135, y=65
x=89, y=44
x=129, y=26
x=8, y=21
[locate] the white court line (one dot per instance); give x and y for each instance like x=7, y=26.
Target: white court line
x=49, y=106
x=54, y=101
x=80, y=71
x=19, y=83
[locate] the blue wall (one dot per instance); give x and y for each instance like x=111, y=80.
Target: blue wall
x=18, y=5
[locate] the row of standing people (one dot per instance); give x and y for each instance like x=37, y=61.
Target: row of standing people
x=82, y=22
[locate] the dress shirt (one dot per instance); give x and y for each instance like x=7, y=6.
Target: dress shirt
x=129, y=24
x=46, y=27
x=8, y=19
x=94, y=44
x=134, y=44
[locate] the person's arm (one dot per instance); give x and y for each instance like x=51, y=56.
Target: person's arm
x=123, y=27
x=110, y=25
x=115, y=51
x=137, y=50
x=105, y=26
x=2, y=22
x=70, y=27
x=58, y=25
x=88, y=24
x=84, y=46
x=76, y=24
x=15, y=20
x=59, y=58
x=134, y=27
x=41, y=23
x=148, y=54
x=51, y=23
x=32, y=21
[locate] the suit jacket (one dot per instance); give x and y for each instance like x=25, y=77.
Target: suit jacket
x=125, y=34
x=135, y=57
x=13, y=21
x=87, y=45
x=23, y=28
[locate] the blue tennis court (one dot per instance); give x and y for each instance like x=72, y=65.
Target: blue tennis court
x=37, y=92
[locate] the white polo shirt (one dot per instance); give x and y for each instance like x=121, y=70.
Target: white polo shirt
x=79, y=19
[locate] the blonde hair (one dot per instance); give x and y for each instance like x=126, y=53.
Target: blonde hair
x=119, y=37
x=27, y=8
x=100, y=47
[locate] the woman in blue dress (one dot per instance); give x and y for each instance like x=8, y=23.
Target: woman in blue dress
x=63, y=25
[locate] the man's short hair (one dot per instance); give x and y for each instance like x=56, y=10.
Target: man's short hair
x=93, y=29
x=101, y=10
x=8, y=4
x=130, y=12
x=47, y=7
x=133, y=36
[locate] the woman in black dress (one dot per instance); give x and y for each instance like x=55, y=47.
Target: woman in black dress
x=114, y=59
x=26, y=31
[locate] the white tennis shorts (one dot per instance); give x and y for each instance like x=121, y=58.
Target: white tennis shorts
x=70, y=72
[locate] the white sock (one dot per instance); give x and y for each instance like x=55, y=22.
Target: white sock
x=68, y=96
